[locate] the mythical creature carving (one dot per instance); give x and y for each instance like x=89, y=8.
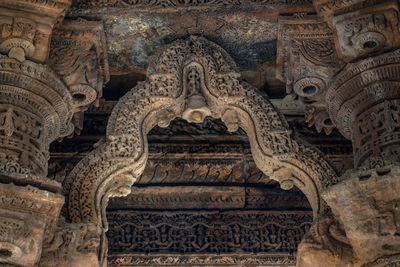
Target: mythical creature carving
x=118, y=161
x=78, y=55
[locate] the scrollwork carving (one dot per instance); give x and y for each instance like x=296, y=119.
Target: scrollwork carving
x=109, y=171
x=78, y=55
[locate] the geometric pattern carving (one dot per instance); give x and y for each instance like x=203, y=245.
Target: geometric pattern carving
x=363, y=103
x=226, y=260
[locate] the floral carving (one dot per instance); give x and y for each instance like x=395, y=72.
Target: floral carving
x=111, y=169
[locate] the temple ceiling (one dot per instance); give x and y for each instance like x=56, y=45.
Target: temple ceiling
x=247, y=30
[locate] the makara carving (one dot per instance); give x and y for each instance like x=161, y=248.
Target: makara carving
x=193, y=78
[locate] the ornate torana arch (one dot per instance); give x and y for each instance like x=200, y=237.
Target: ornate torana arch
x=191, y=79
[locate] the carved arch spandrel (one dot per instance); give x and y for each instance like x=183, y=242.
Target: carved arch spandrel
x=218, y=91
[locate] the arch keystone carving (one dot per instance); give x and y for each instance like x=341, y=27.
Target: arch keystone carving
x=191, y=78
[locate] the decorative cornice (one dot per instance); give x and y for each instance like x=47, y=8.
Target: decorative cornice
x=208, y=197
x=80, y=5
x=206, y=233
x=203, y=260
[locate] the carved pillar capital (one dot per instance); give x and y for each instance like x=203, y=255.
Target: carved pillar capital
x=364, y=103
x=37, y=106
x=28, y=217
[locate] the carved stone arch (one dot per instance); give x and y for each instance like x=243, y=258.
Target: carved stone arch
x=191, y=79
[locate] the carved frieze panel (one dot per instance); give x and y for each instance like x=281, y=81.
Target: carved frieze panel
x=26, y=27
x=166, y=197
x=154, y=4
x=226, y=260
x=306, y=62
x=231, y=232
x=78, y=54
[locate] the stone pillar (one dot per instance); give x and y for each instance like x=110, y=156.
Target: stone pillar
x=364, y=103
x=37, y=106
x=35, y=109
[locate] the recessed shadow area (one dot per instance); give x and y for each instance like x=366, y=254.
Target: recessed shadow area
x=201, y=196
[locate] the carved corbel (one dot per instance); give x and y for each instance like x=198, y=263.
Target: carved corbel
x=361, y=27
x=78, y=54
x=74, y=245
x=306, y=62
x=26, y=27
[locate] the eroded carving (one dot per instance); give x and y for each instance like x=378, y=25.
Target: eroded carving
x=306, y=62
x=26, y=27
x=74, y=244
x=78, y=55
x=367, y=207
x=326, y=244
x=28, y=217
x=120, y=158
